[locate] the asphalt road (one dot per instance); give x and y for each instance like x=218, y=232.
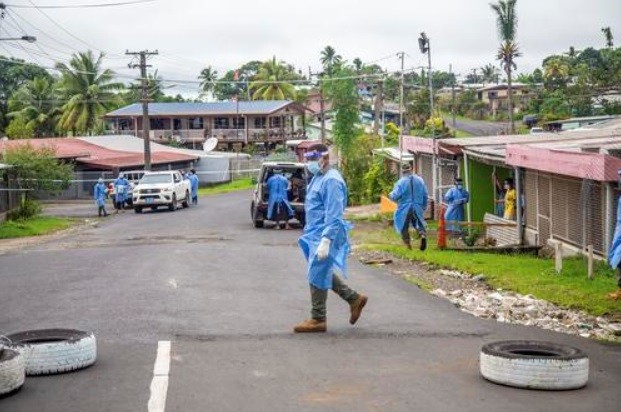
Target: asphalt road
x=479, y=127
x=226, y=296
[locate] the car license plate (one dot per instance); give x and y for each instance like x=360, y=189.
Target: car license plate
x=149, y=200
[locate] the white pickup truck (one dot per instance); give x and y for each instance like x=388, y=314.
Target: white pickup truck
x=165, y=188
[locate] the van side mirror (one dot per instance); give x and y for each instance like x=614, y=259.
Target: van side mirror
x=254, y=180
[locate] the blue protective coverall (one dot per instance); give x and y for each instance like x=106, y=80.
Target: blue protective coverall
x=614, y=255
x=326, y=199
x=277, y=189
x=410, y=193
x=121, y=187
x=194, y=187
x=455, y=198
x=100, y=194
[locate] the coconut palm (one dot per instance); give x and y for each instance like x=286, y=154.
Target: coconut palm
x=36, y=103
x=329, y=59
x=506, y=22
x=271, y=82
x=89, y=91
x=556, y=73
x=358, y=65
x=489, y=73
x=608, y=36
x=208, y=78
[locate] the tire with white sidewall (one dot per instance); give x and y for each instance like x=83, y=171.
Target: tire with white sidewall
x=12, y=371
x=534, y=365
x=52, y=351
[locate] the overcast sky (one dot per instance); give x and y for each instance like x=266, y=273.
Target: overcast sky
x=190, y=34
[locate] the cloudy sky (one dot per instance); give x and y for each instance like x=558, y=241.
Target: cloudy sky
x=190, y=34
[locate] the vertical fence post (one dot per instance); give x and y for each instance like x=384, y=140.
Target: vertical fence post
x=558, y=257
x=590, y=261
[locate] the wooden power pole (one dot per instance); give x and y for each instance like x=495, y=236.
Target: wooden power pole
x=145, y=99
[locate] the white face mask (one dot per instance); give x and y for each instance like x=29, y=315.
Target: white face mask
x=313, y=166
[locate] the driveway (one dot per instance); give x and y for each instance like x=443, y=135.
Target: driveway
x=479, y=127
x=225, y=296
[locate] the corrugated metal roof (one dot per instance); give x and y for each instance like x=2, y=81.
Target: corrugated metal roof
x=203, y=109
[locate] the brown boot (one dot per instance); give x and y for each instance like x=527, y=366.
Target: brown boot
x=615, y=295
x=310, y=326
x=356, y=308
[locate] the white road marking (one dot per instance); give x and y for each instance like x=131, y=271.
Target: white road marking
x=173, y=283
x=159, y=384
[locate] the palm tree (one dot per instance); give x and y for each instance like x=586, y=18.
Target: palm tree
x=271, y=82
x=208, y=77
x=358, y=65
x=329, y=59
x=608, y=36
x=36, y=103
x=506, y=22
x=556, y=73
x=88, y=91
x=489, y=73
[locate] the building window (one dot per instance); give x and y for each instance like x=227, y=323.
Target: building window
x=195, y=123
x=259, y=123
x=492, y=95
x=239, y=123
x=221, y=123
x=157, y=124
x=275, y=122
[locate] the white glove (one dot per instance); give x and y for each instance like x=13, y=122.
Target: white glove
x=324, y=248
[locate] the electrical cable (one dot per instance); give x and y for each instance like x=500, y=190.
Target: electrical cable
x=82, y=6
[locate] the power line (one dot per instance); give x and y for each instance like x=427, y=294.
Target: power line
x=81, y=6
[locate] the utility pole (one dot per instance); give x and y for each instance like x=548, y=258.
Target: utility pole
x=145, y=101
x=425, y=47
x=401, y=55
x=321, y=103
x=379, y=104
x=452, y=94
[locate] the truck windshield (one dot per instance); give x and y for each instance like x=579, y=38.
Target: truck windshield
x=156, y=179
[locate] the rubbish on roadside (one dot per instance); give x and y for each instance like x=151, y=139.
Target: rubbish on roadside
x=377, y=261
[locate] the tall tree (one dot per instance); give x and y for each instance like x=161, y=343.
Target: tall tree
x=608, y=36
x=272, y=82
x=89, y=91
x=329, y=59
x=489, y=73
x=506, y=22
x=208, y=77
x=358, y=65
x=555, y=74
x=36, y=104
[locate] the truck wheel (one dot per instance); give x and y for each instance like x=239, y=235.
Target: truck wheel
x=173, y=205
x=138, y=209
x=185, y=202
x=258, y=223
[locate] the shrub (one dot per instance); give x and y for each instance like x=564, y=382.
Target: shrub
x=27, y=209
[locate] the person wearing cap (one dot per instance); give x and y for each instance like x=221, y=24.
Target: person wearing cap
x=614, y=255
x=278, y=207
x=455, y=200
x=194, y=186
x=121, y=185
x=100, y=192
x=325, y=242
x=410, y=193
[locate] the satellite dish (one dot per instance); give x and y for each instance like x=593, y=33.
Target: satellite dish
x=210, y=144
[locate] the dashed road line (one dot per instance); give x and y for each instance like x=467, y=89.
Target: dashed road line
x=159, y=384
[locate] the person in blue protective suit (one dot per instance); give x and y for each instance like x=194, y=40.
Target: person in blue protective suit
x=100, y=192
x=455, y=200
x=278, y=207
x=410, y=193
x=121, y=187
x=614, y=255
x=194, y=186
x=325, y=242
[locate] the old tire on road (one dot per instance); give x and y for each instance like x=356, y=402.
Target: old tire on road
x=51, y=351
x=534, y=365
x=12, y=371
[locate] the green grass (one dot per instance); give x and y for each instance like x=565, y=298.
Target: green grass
x=36, y=226
x=235, y=185
x=522, y=273
x=461, y=133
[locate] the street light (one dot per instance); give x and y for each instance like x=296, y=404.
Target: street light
x=29, y=39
